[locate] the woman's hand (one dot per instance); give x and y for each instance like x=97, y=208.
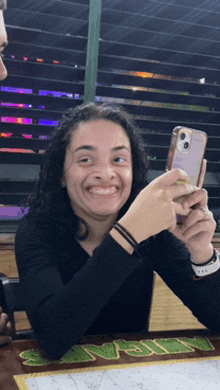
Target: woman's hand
x=199, y=226
x=5, y=328
x=154, y=209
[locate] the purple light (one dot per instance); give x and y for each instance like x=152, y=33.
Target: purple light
x=27, y=121
x=7, y=213
x=43, y=93
x=43, y=137
x=7, y=119
x=55, y=93
x=41, y=107
x=16, y=90
x=46, y=122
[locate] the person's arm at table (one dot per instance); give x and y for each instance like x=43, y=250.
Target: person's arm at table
x=5, y=328
x=193, y=244
x=59, y=313
x=202, y=297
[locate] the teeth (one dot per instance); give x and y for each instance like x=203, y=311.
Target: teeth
x=103, y=191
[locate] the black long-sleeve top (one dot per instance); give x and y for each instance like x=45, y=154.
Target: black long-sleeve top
x=68, y=294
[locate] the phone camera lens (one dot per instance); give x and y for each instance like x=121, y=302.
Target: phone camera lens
x=186, y=145
x=182, y=136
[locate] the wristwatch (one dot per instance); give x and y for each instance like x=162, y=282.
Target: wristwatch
x=209, y=267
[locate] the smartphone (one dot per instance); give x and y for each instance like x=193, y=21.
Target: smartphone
x=187, y=149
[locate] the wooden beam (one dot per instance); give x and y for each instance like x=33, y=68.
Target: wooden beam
x=92, y=50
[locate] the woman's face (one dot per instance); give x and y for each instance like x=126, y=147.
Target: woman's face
x=98, y=169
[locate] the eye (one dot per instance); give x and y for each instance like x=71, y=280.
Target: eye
x=85, y=160
x=122, y=159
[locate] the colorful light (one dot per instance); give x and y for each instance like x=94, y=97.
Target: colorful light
x=6, y=135
x=16, y=150
x=28, y=136
x=22, y=121
x=16, y=105
x=144, y=74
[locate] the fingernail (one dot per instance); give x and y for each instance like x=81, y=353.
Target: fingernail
x=190, y=187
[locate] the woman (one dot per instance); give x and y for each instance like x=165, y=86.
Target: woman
x=79, y=274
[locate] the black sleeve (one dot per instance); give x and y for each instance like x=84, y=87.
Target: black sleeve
x=202, y=297
x=60, y=314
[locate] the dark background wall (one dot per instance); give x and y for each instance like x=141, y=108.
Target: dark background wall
x=159, y=59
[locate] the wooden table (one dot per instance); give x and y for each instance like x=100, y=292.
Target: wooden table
x=109, y=353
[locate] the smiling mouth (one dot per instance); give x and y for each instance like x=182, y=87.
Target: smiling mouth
x=103, y=191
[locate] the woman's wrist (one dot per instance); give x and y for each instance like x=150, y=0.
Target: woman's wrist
x=121, y=241
x=207, y=269
x=132, y=227
x=202, y=257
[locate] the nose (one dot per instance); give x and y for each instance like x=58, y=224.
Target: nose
x=104, y=172
x=3, y=70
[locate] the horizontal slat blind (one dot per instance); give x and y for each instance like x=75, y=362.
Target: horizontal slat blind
x=158, y=59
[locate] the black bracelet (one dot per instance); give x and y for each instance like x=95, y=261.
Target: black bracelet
x=126, y=232
x=128, y=237
x=116, y=227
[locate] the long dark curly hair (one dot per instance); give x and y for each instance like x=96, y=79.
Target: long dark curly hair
x=49, y=198
x=3, y=5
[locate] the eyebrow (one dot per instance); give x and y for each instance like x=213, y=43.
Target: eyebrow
x=93, y=148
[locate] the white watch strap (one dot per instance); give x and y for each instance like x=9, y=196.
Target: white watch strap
x=207, y=269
